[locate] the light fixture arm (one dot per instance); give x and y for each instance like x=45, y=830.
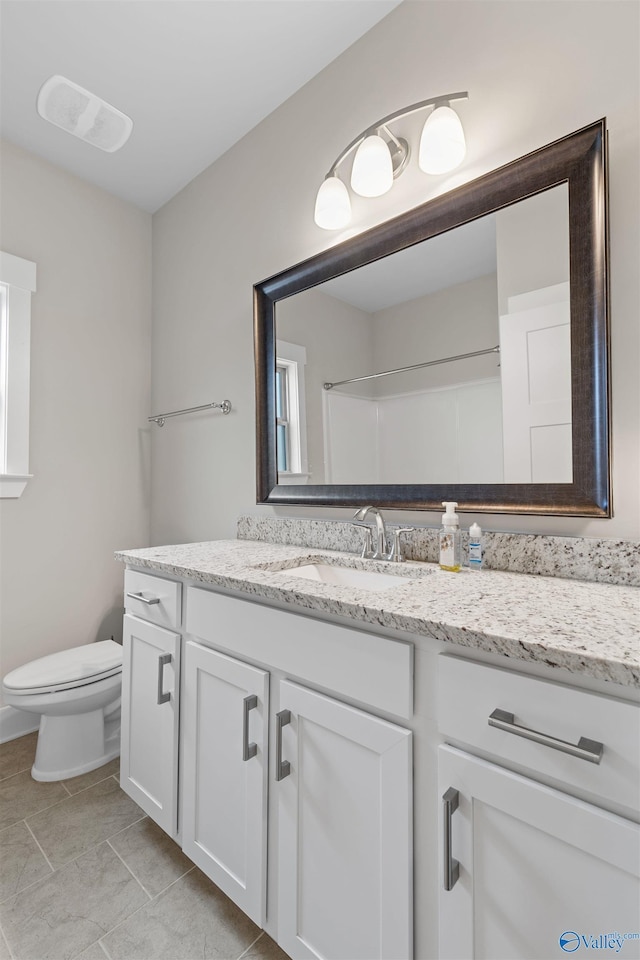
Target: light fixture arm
x=397, y=141
x=375, y=127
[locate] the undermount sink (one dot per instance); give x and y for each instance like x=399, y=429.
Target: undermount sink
x=346, y=576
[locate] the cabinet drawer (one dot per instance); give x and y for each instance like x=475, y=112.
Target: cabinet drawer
x=373, y=670
x=153, y=598
x=469, y=693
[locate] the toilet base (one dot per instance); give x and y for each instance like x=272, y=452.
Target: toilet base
x=69, y=746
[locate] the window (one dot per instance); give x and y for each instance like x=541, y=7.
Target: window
x=283, y=424
x=17, y=283
x=291, y=420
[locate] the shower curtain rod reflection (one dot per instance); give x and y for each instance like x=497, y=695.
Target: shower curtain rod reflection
x=414, y=366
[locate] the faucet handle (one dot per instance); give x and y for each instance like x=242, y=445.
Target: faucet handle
x=367, y=548
x=395, y=554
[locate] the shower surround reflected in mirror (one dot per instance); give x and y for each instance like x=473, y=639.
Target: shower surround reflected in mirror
x=501, y=415
x=509, y=269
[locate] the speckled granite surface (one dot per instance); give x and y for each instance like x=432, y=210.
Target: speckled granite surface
x=574, y=558
x=587, y=628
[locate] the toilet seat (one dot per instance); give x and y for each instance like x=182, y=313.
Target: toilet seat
x=76, y=667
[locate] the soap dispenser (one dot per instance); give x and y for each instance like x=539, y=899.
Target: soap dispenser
x=475, y=547
x=450, y=552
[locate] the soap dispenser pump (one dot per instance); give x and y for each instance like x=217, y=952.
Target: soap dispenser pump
x=450, y=552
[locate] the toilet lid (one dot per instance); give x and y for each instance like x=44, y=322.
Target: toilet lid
x=67, y=668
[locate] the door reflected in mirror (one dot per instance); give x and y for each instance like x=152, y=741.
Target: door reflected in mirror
x=348, y=411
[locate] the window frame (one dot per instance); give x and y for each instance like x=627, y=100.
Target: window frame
x=18, y=282
x=284, y=374
x=292, y=358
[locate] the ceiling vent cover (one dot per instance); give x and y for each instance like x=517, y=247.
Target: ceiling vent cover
x=72, y=108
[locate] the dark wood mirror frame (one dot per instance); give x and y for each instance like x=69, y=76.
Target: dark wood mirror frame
x=578, y=160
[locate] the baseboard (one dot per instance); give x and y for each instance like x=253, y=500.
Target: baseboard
x=15, y=723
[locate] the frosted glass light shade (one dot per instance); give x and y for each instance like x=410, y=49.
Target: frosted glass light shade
x=333, y=206
x=442, y=144
x=372, y=171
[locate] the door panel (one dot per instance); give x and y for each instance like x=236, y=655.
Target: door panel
x=225, y=795
x=536, y=866
x=345, y=832
x=149, y=753
x=535, y=362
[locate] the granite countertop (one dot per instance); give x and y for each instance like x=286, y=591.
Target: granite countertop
x=588, y=628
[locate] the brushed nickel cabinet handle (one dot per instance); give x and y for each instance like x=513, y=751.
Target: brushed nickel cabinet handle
x=138, y=596
x=283, y=767
x=162, y=661
x=249, y=750
x=450, y=802
x=585, y=749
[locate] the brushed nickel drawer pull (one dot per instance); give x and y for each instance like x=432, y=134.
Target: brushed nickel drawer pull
x=451, y=867
x=283, y=767
x=138, y=596
x=163, y=660
x=249, y=750
x=585, y=749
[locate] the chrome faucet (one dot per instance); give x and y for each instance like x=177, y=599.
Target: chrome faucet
x=384, y=549
x=381, y=551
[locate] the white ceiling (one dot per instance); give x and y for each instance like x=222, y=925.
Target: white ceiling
x=194, y=75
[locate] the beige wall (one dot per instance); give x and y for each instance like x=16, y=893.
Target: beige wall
x=90, y=382
x=532, y=244
x=455, y=320
x=535, y=72
x=339, y=341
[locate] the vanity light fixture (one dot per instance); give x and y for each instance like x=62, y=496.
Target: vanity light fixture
x=372, y=171
x=380, y=157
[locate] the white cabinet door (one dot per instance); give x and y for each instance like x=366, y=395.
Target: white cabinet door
x=225, y=743
x=149, y=750
x=541, y=874
x=345, y=860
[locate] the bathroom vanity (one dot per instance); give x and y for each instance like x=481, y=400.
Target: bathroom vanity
x=422, y=765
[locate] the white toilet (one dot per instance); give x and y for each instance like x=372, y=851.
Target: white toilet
x=77, y=694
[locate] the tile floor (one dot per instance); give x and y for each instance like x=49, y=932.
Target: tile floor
x=85, y=874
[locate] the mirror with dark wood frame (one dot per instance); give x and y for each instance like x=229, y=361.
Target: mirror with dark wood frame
x=458, y=351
